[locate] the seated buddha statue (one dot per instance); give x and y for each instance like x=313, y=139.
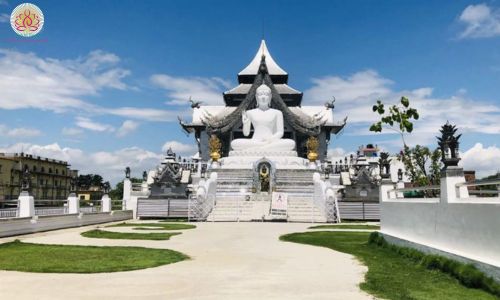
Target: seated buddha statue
x=267, y=125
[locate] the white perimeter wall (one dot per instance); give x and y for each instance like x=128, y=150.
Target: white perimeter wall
x=468, y=227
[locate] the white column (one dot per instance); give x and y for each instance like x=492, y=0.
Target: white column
x=73, y=204
x=385, y=186
x=106, y=203
x=449, y=179
x=400, y=185
x=26, y=205
x=198, y=171
x=144, y=187
x=127, y=192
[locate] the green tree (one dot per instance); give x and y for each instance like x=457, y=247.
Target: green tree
x=117, y=192
x=421, y=164
x=96, y=180
x=398, y=118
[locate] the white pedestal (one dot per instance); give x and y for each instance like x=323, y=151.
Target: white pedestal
x=73, y=204
x=26, y=206
x=106, y=203
x=246, y=159
x=127, y=192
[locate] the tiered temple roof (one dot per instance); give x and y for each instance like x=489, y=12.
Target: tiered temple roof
x=300, y=122
x=279, y=77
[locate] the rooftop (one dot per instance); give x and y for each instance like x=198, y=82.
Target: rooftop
x=278, y=75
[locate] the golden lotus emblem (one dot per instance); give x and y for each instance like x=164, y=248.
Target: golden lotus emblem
x=27, y=20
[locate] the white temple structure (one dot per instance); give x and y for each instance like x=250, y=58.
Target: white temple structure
x=265, y=151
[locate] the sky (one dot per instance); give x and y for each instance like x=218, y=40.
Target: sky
x=103, y=83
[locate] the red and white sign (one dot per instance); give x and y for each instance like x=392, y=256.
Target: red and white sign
x=279, y=203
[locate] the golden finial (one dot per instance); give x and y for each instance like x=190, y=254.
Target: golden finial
x=312, y=148
x=214, y=146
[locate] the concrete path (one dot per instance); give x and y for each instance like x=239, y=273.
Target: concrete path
x=229, y=261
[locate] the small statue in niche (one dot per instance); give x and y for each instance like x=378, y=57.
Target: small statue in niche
x=264, y=178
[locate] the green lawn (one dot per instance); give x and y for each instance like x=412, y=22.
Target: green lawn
x=25, y=257
x=102, y=234
x=390, y=275
x=148, y=228
x=164, y=226
x=175, y=220
x=348, y=226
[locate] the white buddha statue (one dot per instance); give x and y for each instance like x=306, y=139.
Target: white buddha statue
x=267, y=124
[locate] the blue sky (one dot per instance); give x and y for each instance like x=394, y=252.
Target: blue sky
x=101, y=84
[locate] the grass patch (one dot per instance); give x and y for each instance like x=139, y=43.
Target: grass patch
x=39, y=258
x=148, y=228
x=349, y=226
x=390, y=275
x=102, y=234
x=467, y=274
x=175, y=220
x=156, y=225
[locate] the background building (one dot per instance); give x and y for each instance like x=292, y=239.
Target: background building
x=49, y=178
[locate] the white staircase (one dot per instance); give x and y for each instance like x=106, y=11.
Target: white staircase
x=300, y=188
x=235, y=201
x=233, y=185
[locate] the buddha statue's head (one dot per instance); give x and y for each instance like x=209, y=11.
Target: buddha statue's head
x=263, y=96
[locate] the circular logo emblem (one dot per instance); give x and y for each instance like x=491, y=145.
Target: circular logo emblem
x=26, y=19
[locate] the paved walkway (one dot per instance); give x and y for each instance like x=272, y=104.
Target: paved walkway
x=229, y=261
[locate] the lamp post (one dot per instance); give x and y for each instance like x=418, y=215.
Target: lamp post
x=448, y=143
x=400, y=175
x=385, y=165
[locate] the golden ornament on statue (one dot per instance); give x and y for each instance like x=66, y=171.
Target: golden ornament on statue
x=312, y=148
x=215, y=146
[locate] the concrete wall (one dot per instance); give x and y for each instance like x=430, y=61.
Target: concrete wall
x=18, y=226
x=469, y=229
x=454, y=223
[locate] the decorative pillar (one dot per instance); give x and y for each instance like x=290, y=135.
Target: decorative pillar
x=73, y=204
x=400, y=184
x=451, y=174
x=26, y=205
x=106, y=203
x=385, y=186
x=127, y=193
x=26, y=202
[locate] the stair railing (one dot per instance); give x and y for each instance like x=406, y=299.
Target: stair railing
x=325, y=199
x=203, y=201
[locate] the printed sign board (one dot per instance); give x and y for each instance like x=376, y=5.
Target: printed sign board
x=279, y=204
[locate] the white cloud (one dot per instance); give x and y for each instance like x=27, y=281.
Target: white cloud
x=480, y=21
x=179, y=89
x=356, y=95
x=360, y=85
x=110, y=165
x=28, y=81
x=89, y=124
x=4, y=18
x=485, y=161
x=127, y=127
x=180, y=148
x=147, y=114
x=338, y=154
x=71, y=131
x=19, y=132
